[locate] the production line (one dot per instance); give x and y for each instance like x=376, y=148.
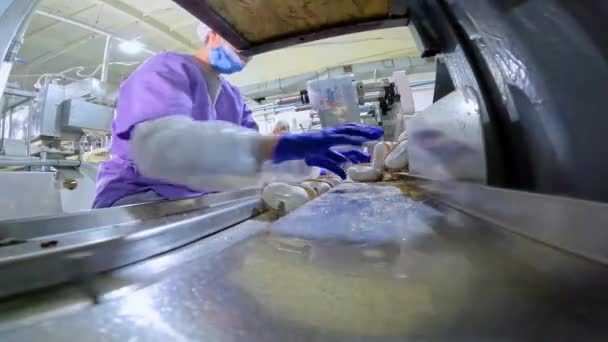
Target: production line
x=366, y=260
x=371, y=260
x=442, y=236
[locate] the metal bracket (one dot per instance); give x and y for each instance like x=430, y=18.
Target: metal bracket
x=398, y=8
x=446, y=140
x=424, y=35
x=79, y=265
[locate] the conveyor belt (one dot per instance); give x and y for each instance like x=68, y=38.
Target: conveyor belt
x=363, y=262
x=48, y=251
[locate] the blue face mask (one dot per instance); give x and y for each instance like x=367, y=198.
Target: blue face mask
x=224, y=60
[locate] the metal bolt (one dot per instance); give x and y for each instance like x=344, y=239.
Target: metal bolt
x=70, y=183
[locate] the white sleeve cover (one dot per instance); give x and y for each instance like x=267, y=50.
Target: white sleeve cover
x=290, y=171
x=205, y=155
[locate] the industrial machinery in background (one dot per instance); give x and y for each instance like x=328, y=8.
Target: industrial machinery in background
x=342, y=99
x=71, y=119
x=384, y=103
x=287, y=98
x=55, y=132
x=59, y=122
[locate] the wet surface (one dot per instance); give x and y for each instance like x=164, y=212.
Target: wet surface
x=364, y=262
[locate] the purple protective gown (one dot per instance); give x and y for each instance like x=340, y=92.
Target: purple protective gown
x=166, y=84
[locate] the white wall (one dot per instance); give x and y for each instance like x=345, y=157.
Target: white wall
x=359, y=47
x=423, y=97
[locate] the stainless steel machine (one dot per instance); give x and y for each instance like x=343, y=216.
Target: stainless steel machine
x=64, y=113
x=59, y=118
x=42, y=133
x=45, y=171
x=335, y=100
x=341, y=99
x=497, y=232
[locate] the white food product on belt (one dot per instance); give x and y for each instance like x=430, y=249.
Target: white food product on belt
x=320, y=187
x=380, y=151
x=282, y=196
x=363, y=173
x=398, y=158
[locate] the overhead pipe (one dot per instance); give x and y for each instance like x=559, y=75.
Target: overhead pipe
x=105, y=63
x=289, y=100
x=36, y=162
x=88, y=27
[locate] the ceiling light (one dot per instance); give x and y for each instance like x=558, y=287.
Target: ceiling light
x=131, y=47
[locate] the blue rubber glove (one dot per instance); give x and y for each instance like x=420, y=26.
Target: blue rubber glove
x=303, y=145
x=351, y=128
x=332, y=160
x=357, y=157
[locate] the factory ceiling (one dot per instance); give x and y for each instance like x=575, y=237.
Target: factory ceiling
x=53, y=45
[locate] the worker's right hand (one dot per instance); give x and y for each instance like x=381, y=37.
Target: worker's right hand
x=303, y=145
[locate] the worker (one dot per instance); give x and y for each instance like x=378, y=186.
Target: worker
x=281, y=127
x=181, y=130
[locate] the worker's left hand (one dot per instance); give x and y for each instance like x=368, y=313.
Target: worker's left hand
x=305, y=145
x=333, y=160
